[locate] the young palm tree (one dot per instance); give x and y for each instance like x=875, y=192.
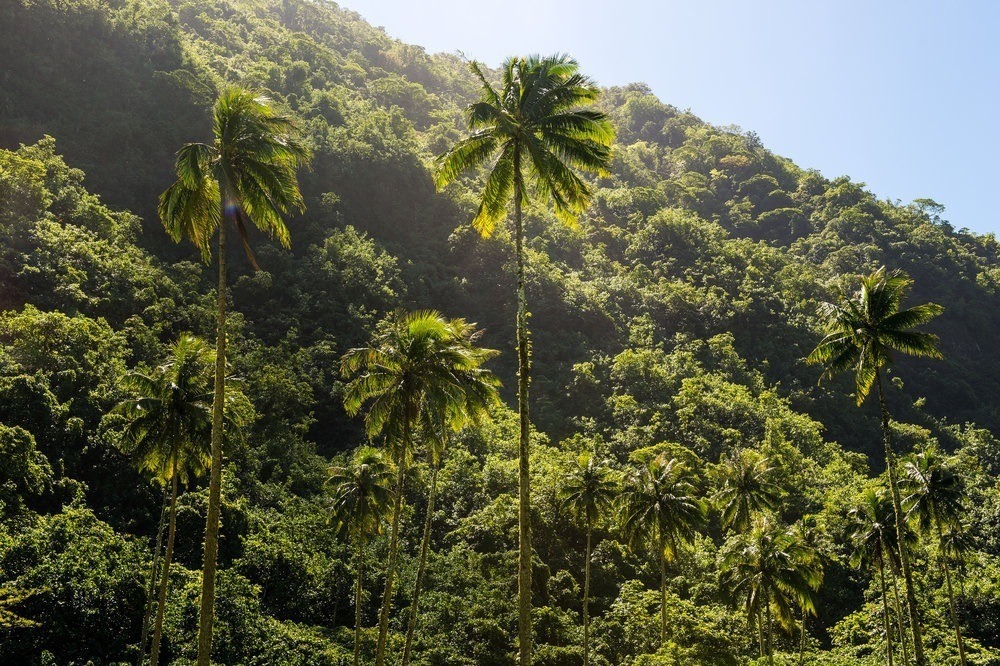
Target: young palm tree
x=247, y=175
x=814, y=548
x=864, y=332
x=532, y=134
x=169, y=418
x=477, y=395
x=417, y=364
x=659, y=509
x=935, y=499
x=767, y=569
x=589, y=492
x=361, y=495
x=871, y=535
x=746, y=487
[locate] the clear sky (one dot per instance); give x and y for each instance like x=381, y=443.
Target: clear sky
x=901, y=95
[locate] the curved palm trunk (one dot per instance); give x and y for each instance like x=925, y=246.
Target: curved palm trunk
x=904, y=559
x=523, y=472
x=586, y=599
x=900, y=620
x=357, y=599
x=951, y=597
x=390, y=572
x=206, y=614
x=151, y=590
x=424, y=544
x=885, y=613
x=154, y=656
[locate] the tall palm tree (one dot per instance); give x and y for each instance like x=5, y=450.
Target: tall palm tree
x=936, y=499
x=416, y=364
x=766, y=568
x=814, y=548
x=660, y=509
x=864, y=331
x=872, y=536
x=746, y=487
x=476, y=395
x=361, y=496
x=168, y=430
x=532, y=134
x=589, y=492
x=246, y=175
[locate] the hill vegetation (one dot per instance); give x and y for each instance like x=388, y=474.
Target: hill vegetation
x=669, y=334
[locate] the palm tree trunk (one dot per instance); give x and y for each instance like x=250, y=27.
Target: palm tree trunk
x=151, y=590
x=802, y=636
x=357, y=599
x=206, y=615
x=663, y=593
x=586, y=599
x=424, y=544
x=904, y=559
x=900, y=620
x=951, y=597
x=770, y=636
x=390, y=572
x=154, y=656
x=523, y=472
x=885, y=613
x=760, y=636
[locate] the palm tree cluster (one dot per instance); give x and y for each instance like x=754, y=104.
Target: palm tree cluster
x=421, y=379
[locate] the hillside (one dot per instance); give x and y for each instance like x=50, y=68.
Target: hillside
x=675, y=317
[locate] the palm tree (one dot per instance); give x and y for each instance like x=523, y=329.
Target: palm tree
x=767, y=568
x=864, y=331
x=746, y=488
x=589, y=492
x=935, y=500
x=246, y=175
x=532, y=133
x=417, y=365
x=813, y=546
x=476, y=395
x=872, y=534
x=361, y=494
x=169, y=417
x=659, y=509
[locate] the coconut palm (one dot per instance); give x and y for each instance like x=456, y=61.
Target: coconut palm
x=814, y=548
x=766, y=568
x=532, y=134
x=361, y=494
x=872, y=535
x=660, y=510
x=417, y=364
x=168, y=433
x=864, y=331
x=247, y=175
x=477, y=394
x=935, y=500
x=589, y=492
x=746, y=487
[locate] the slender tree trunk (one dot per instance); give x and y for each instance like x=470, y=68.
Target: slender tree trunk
x=900, y=619
x=424, y=544
x=760, y=636
x=885, y=614
x=390, y=571
x=586, y=599
x=151, y=590
x=951, y=596
x=802, y=636
x=770, y=636
x=154, y=655
x=357, y=598
x=206, y=615
x=523, y=472
x=663, y=593
x=904, y=558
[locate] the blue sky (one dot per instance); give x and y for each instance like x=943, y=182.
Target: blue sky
x=903, y=96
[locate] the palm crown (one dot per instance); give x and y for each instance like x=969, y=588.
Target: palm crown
x=867, y=327
x=535, y=134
